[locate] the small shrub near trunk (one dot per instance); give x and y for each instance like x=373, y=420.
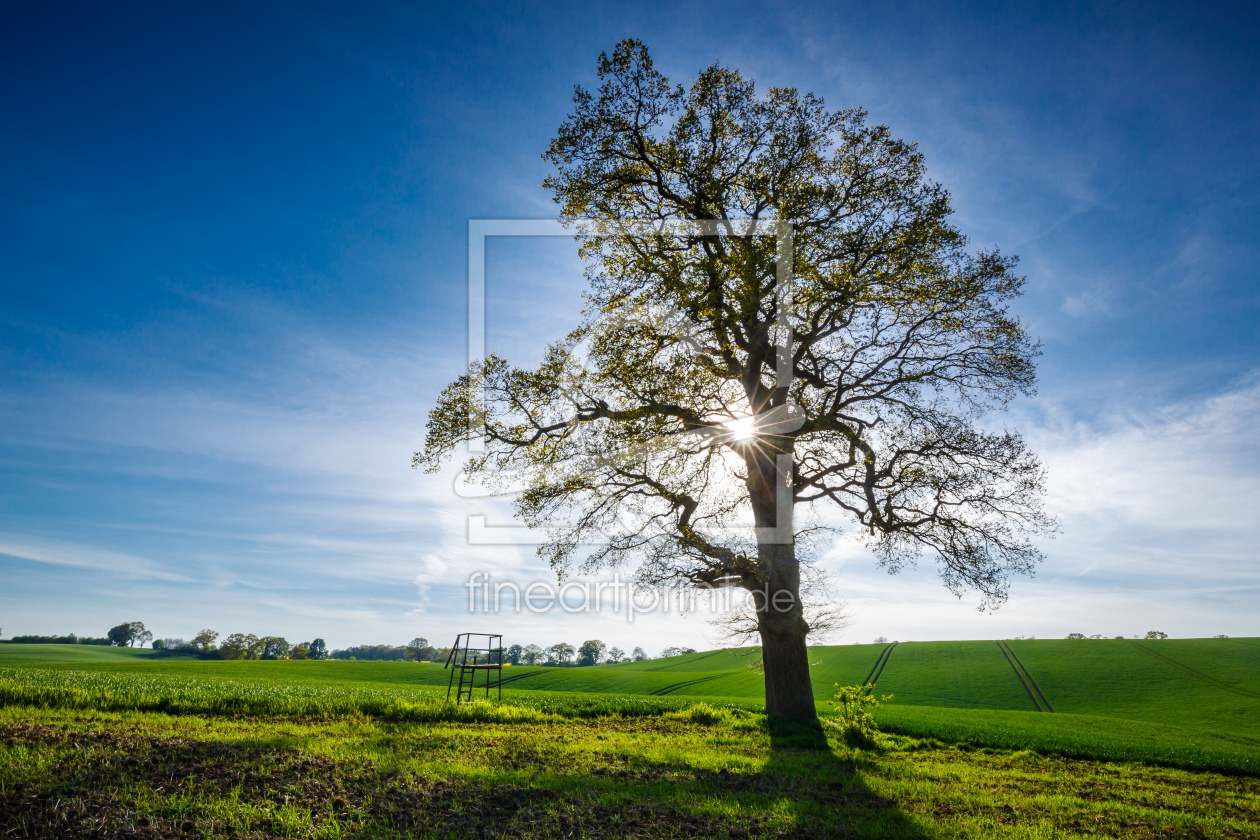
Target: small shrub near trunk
x=853, y=713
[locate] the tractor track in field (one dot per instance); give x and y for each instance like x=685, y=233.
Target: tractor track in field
x=1025, y=679
x=674, y=666
x=670, y=689
x=877, y=670
x=1198, y=675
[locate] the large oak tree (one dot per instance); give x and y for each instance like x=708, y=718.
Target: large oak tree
x=662, y=431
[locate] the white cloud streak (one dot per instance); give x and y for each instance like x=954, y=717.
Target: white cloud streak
x=61, y=553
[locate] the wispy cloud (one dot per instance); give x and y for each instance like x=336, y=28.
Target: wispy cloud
x=1159, y=531
x=60, y=553
x=1088, y=302
x=1189, y=465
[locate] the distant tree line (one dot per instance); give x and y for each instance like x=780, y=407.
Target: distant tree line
x=235, y=646
x=1150, y=634
x=249, y=646
x=238, y=646
x=123, y=635
x=243, y=646
x=590, y=652
x=70, y=639
x=417, y=650
x=562, y=654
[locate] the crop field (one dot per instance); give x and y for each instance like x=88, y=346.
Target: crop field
x=1146, y=739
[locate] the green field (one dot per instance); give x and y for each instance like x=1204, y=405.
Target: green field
x=99, y=741
x=1189, y=703
x=128, y=775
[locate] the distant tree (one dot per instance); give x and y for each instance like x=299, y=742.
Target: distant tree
x=275, y=647
x=139, y=634
x=235, y=646
x=418, y=649
x=1155, y=634
x=616, y=655
x=120, y=635
x=560, y=654
x=1075, y=635
x=1097, y=636
x=159, y=644
x=638, y=655
x=257, y=646
x=243, y=646
x=676, y=651
x=532, y=655
x=591, y=651
x=513, y=654
x=881, y=640
x=1220, y=636
x=249, y=645
x=204, y=641
x=1119, y=637
x=319, y=650
x=302, y=650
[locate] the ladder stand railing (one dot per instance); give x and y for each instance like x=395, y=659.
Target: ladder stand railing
x=475, y=653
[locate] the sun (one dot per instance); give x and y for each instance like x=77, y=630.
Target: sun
x=741, y=428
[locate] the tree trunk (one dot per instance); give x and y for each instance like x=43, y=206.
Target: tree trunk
x=789, y=690
x=780, y=614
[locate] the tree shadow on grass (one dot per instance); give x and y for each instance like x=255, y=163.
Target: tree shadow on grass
x=836, y=800
x=528, y=793
x=823, y=790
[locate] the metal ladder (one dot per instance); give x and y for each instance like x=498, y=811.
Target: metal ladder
x=485, y=658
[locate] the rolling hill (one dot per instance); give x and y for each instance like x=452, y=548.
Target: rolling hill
x=1207, y=683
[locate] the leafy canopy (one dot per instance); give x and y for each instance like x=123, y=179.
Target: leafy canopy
x=652, y=430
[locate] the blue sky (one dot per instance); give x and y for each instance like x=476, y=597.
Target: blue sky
x=233, y=259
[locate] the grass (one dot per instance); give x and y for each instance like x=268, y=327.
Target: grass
x=1182, y=703
x=65, y=773
x=1121, y=679
x=1233, y=662
x=1078, y=736
x=103, y=743
x=970, y=675
x=11, y=654
x=114, y=692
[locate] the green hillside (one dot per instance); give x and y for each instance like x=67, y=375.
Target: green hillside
x=972, y=675
x=1234, y=663
x=12, y=655
x=1152, y=680
x=1188, y=703
x=1205, y=684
